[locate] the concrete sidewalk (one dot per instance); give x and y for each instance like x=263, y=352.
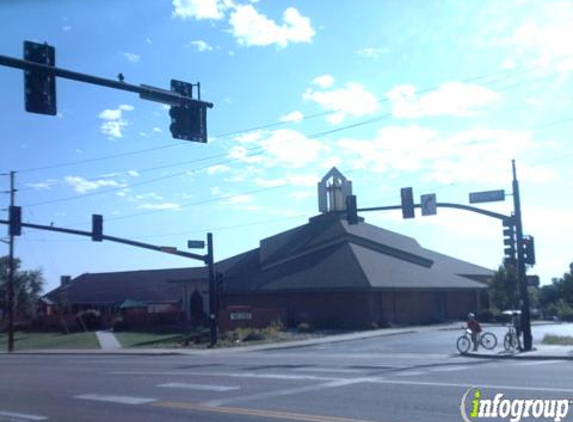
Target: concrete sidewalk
x=107, y=340
x=110, y=345
x=540, y=351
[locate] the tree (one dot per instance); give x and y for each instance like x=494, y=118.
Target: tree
x=504, y=288
x=565, y=285
x=27, y=288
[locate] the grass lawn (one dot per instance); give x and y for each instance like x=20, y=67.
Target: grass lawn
x=137, y=339
x=554, y=340
x=32, y=341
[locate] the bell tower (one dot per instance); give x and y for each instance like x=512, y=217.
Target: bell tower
x=332, y=192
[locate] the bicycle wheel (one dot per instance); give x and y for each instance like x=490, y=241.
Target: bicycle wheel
x=509, y=341
x=463, y=344
x=488, y=341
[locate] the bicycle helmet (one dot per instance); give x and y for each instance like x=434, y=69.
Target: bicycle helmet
x=471, y=315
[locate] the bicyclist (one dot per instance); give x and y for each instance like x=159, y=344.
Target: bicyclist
x=475, y=328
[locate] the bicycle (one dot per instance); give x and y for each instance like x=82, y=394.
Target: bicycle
x=486, y=339
x=510, y=340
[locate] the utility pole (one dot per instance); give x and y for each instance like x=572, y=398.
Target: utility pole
x=521, y=275
x=10, y=287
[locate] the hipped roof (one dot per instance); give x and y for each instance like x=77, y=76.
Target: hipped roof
x=328, y=253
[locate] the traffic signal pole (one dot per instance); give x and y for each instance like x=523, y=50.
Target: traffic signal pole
x=213, y=311
x=11, y=270
x=521, y=271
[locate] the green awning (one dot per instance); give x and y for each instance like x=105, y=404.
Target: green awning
x=130, y=304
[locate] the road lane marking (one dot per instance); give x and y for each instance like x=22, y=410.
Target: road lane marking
x=256, y=412
x=449, y=368
x=16, y=417
x=340, y=370
x=466, y=385
x=537, y=362
x=410, y=373
x=295, y=377
x=115, y=399
x=204, y=387
x=286, y=392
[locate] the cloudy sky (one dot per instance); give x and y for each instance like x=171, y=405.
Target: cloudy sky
x=436, y=95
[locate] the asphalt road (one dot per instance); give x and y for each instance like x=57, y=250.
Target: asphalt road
x=408, y=377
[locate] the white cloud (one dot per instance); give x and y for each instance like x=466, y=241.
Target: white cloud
x=160, y=207
x=508, y=64
x=200, y=45
x=373, y=53
x=251, y=28
x=451, y=99
x=132, y=57
x=47, y=185
x=200, y=9
x=476, y=155
x=295, y=117
x=239, y=199
x=302, y=195
x=283, y=147
x=299, y=180
x=324, y=81
x=114, y=121
x=243, y=154
x=219, y=168
x=352, y=100
x=157, y=130
x=82, y=185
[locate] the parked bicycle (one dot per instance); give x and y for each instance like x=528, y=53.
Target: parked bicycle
x=510, y=340
x=486, y=339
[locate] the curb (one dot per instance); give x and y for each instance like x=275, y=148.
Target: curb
x=518, y=356
x=238, y=349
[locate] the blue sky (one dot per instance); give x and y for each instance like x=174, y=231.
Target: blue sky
x=440, y=96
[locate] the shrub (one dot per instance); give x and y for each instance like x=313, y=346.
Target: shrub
x=89, y=319
x=254, y=335
x=486, y=315
x=119, y=324
x=304, y=327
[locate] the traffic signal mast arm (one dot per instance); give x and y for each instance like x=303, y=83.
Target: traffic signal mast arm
x=145, y=91
x=173, y=251
x=442, y=205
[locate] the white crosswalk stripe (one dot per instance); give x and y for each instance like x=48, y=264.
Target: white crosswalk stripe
x=115, y=399
x=20, y=417
x=203, y=387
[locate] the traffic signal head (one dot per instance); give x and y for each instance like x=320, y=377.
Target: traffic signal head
x=351, y=210
x=509, y=242
x=528, y=250
x=407, y=197
x=97, y=227
x=15, y=223
x=40, y=84
x=189, y=119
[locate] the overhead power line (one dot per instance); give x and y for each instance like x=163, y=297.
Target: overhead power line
x=497, y=76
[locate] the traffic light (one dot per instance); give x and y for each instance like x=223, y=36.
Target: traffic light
x=351, y=210
x=15, y=223
x=188, y=120
x=528, y=250
x=97, y=227
x=40, y=84
x=407, y=196
x=509, y=242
